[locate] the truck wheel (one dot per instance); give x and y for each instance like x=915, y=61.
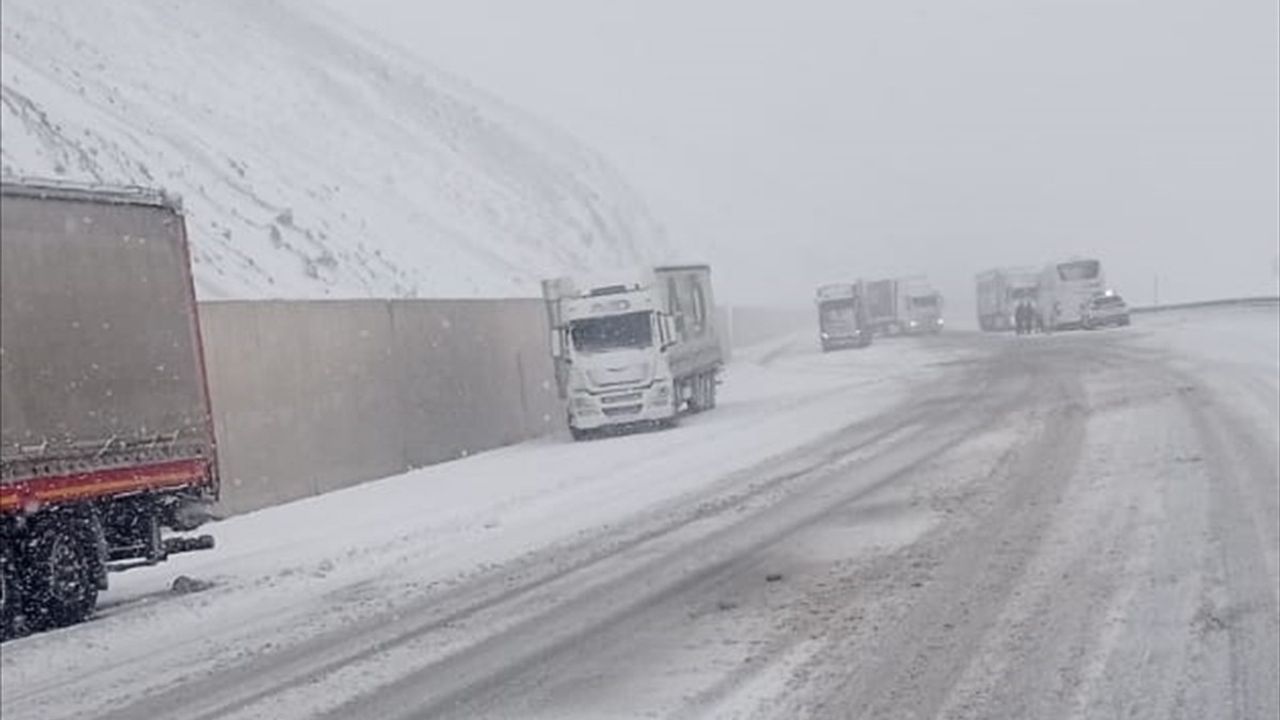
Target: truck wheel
x=10, y=599
x=694, y=404
x=577, y=434
x=704, y=392
x=61, y=587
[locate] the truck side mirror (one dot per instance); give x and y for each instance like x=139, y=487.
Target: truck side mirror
x=667, y=330
x=557, y=343
x=679, y=322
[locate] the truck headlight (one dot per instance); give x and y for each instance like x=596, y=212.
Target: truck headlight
x=583, y=402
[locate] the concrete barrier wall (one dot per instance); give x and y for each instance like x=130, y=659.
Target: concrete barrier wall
x=1260, y=301
x=312, y=396
x=309, y=397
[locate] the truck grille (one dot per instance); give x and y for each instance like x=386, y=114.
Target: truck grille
x=624, y=398
x=619, y=411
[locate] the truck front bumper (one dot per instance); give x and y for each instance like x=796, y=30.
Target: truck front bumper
x=923, y=327
x=655, y=403
x=833, y=342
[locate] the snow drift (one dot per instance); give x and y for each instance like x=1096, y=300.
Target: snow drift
x=313, y=160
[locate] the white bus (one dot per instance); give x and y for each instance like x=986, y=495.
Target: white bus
x=1065, y=288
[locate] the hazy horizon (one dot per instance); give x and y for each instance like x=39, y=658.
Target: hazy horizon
x=796, y=144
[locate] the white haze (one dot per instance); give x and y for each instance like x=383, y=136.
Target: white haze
x=801, y=142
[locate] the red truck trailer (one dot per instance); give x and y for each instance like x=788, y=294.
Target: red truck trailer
x=106, y=435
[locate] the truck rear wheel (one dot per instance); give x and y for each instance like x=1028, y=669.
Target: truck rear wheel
x=60, y=578
x=691, y=387
x=703, y=392
x=10, y=599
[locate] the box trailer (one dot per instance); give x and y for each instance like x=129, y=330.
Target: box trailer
x=999, y=291
x=106, y=435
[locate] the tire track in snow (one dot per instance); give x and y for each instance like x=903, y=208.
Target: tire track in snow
x=261, y=679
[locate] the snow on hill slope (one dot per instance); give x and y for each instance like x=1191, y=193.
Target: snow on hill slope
x=313, y=160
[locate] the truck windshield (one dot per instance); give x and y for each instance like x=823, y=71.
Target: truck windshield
x=612, y=332
x=1026, y=293
x=1079, y=270
x=837, y=315
x=928, y=301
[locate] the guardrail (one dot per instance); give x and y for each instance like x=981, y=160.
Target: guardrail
x=1259, y=300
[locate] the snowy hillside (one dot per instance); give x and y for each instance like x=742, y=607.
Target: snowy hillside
x=313, y=160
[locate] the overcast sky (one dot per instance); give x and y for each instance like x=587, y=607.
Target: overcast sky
x=793, y=143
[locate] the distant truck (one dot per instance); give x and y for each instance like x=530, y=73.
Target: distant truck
x=842, y=316
x=106, y=436
x=906, y=305
x=883, y=302
x=636, y=352
x=999, y=292
x=921, y=307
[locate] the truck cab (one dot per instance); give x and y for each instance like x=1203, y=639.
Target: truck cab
x=924, y=313
x=613, y=344
x=842, y=317
x=637, y=352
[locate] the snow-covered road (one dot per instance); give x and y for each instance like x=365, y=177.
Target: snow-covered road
x=1083, y=525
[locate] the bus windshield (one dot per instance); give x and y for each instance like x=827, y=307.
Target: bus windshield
x=1079, y=270
x=612, y=332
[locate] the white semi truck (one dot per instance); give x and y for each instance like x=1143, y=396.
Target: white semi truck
x=636, y=352
x=999, y=291
x=883, y=300
x=905, y=305
x=921, y=307
x=842, y=316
